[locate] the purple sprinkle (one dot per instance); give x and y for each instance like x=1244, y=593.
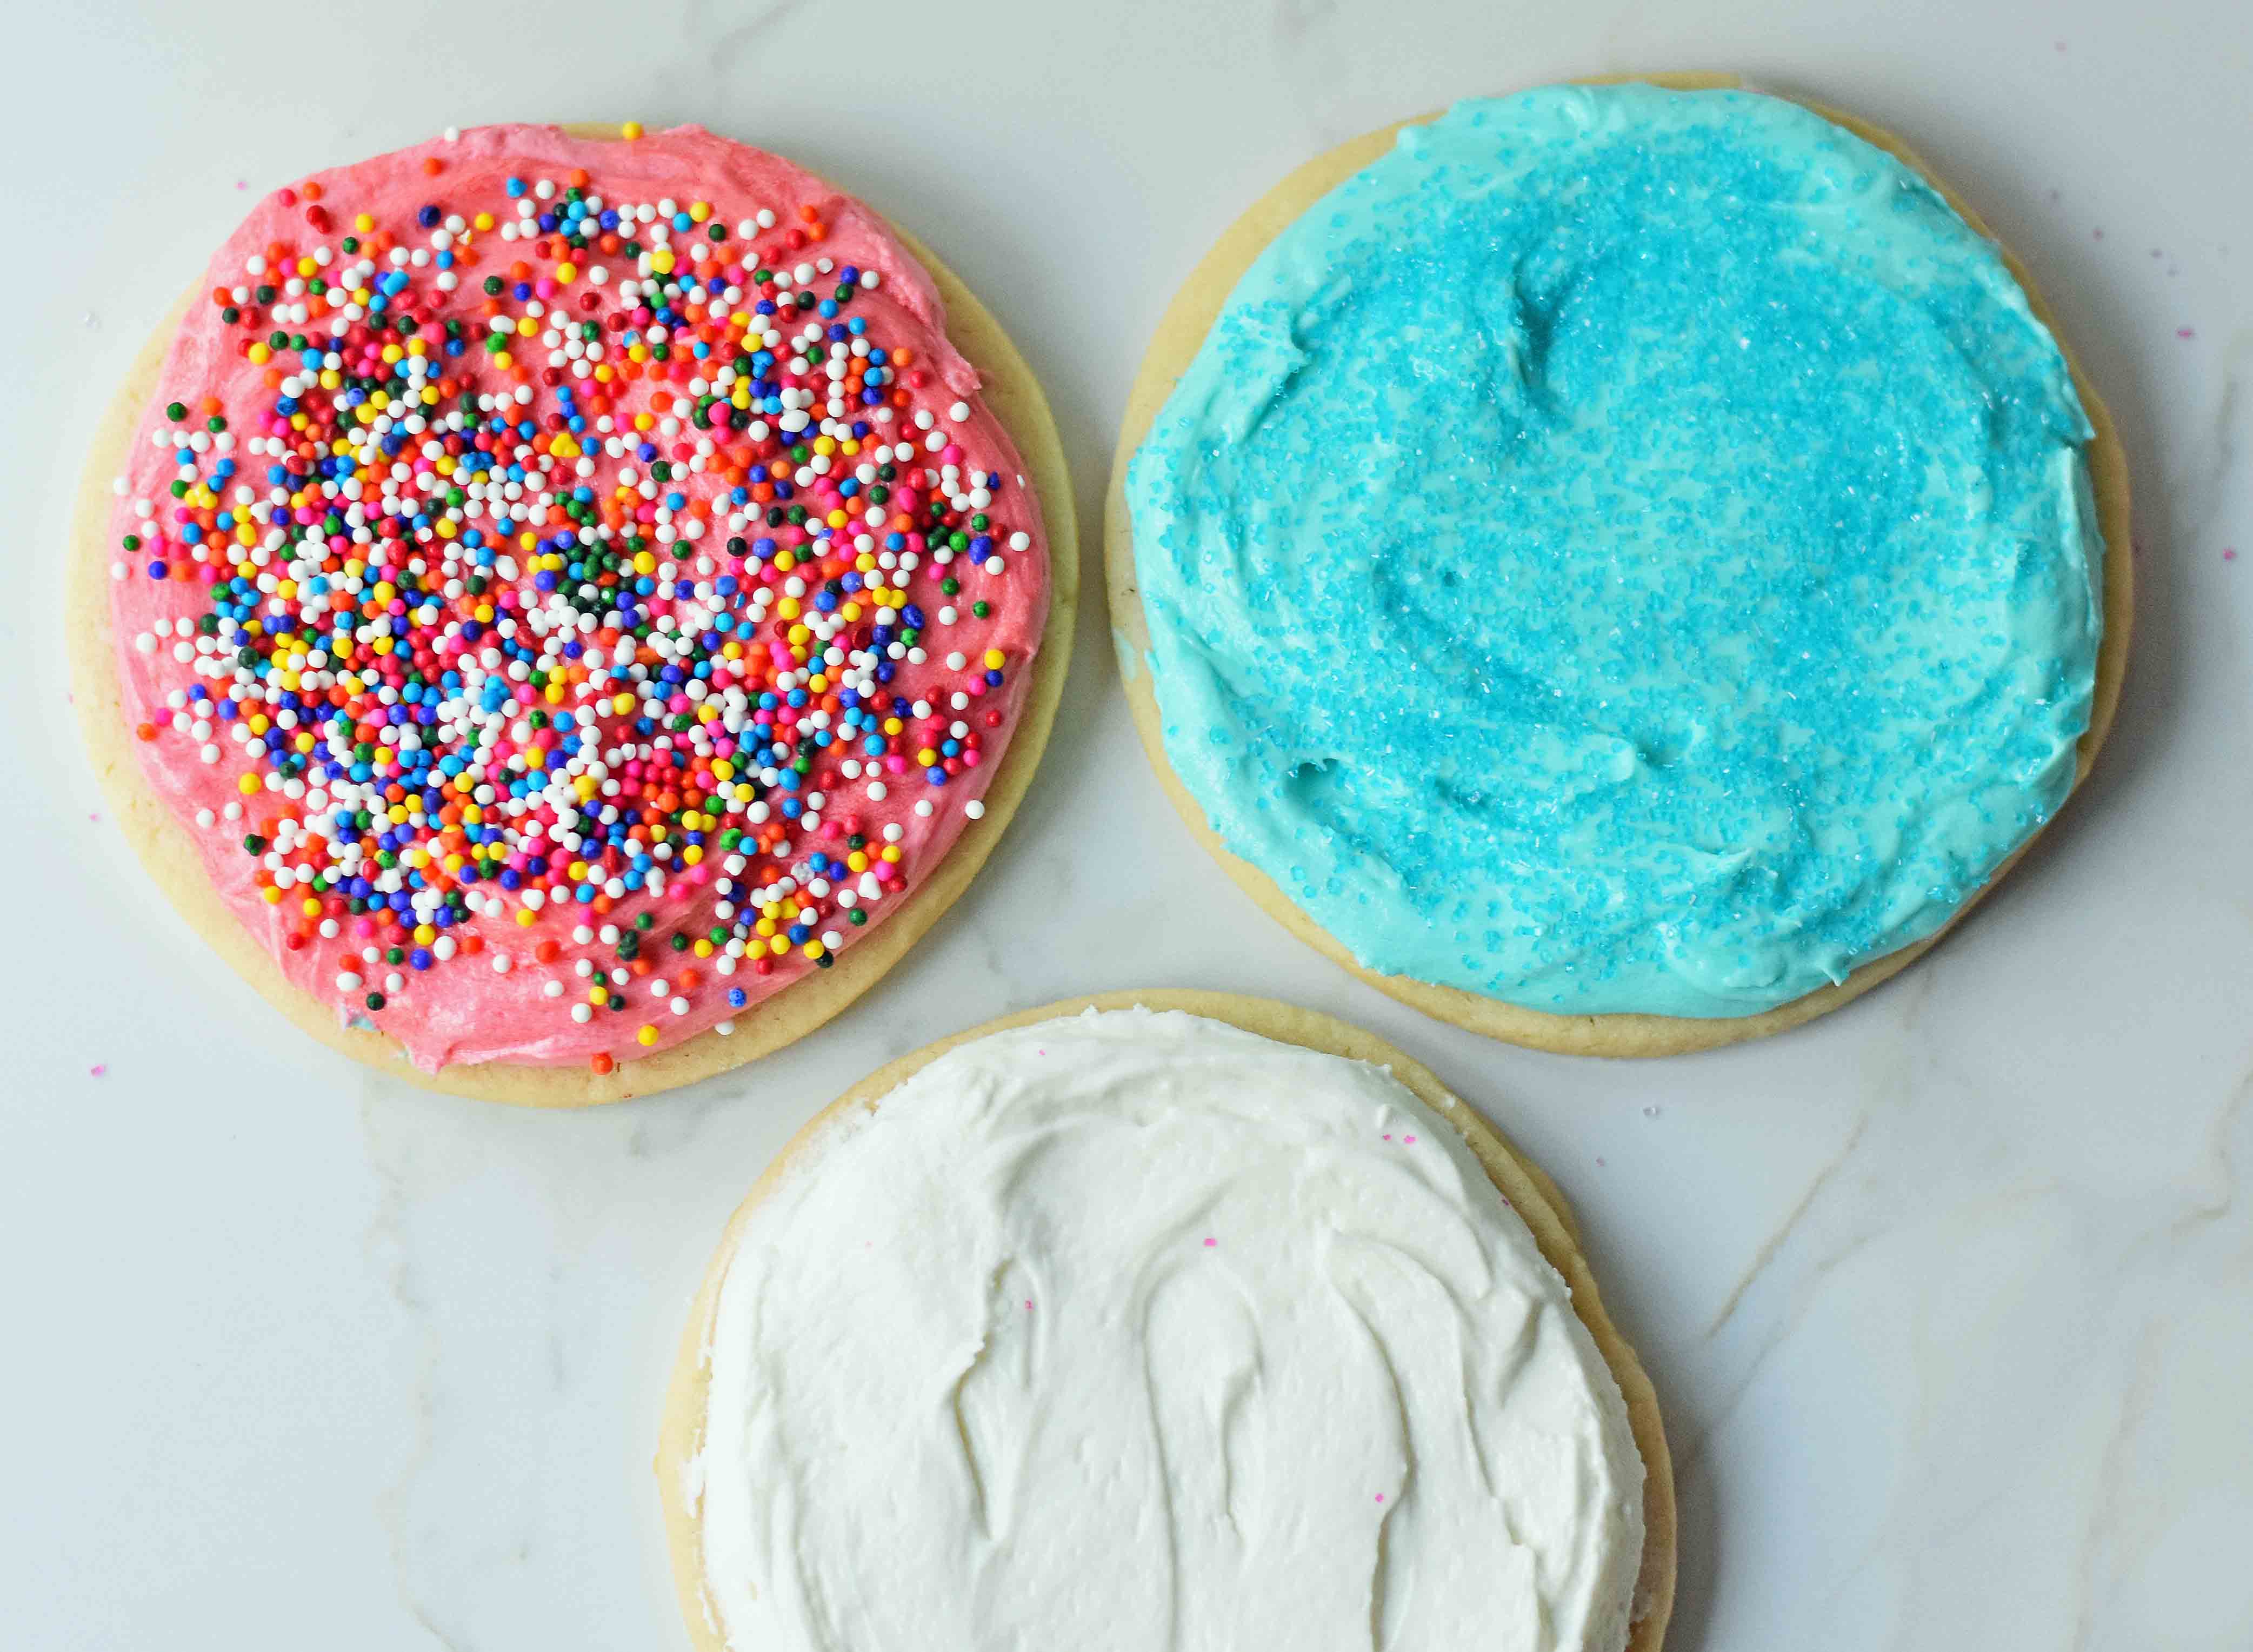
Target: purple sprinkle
x=98, y=1069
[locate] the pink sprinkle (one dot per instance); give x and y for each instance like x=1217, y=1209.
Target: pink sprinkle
x=2185, y=333
x=1210, y=1242
x=2229, y=554
x=1600, y=1162
x=98, y=1068
x=1410, y=1141
x=1028, y=1304
x=1380, y=1496
x=1388, y=1135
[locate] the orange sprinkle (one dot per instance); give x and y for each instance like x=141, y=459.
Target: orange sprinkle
x=601, y=1064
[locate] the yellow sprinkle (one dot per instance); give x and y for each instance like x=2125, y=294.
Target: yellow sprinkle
x=647, y=1035
x=632, y=128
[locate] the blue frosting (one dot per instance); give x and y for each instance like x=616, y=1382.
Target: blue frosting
x=1624, y=550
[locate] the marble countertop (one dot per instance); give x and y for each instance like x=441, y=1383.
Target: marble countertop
x=1949, y=1298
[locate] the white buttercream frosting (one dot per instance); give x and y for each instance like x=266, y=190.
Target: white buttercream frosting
x=1138, y=1331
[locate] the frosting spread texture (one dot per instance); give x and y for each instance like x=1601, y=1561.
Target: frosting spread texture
x=1135, y=1330
x=1624, y=550
x=570, y=590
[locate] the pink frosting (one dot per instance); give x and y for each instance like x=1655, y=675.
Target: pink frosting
x=460, y=1007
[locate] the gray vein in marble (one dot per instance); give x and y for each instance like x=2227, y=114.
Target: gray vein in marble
x=2222, y=1163
x=2111, y=1479
x=1787, y=1228
x=391, y=1253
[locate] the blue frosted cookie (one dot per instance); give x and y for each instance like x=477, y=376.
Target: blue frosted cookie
x=1620, y=553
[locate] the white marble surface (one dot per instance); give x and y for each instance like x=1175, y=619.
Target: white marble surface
x=1949, y=1298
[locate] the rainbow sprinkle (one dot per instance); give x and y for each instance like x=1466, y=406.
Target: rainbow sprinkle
x=592, y=588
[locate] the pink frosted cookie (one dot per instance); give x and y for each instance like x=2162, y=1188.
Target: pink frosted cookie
x=578, y=609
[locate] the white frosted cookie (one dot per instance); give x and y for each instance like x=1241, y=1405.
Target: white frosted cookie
x=1160, y=1319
